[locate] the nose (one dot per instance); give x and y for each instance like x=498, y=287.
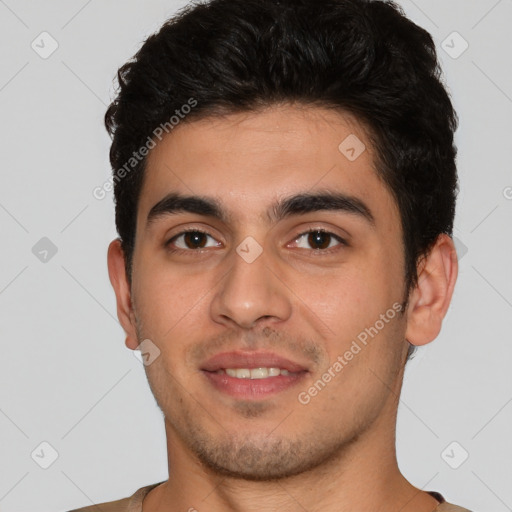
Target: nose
x=251, y=293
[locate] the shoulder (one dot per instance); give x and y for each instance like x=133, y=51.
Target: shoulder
x=131, y=504
x=444, y=506
x=111, y=506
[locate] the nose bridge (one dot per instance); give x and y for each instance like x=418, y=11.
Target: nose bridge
x=250, y=290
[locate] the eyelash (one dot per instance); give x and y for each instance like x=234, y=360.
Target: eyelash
x=342, y=242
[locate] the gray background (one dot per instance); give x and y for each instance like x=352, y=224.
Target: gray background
x=67, y=378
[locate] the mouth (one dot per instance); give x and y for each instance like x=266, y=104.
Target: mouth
x=251, y=375
x=254, y=373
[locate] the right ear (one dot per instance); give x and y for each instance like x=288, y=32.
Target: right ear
x=117, y=274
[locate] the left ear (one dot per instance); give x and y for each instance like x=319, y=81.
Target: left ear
x=429, y=300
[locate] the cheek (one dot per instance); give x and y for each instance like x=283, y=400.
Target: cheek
x=347, y=299
x=167, y=302
x=356, y=311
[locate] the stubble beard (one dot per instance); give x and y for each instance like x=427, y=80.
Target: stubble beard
x=238, y=455
x=241, y=455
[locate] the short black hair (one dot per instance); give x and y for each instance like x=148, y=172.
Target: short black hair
x=361, y=57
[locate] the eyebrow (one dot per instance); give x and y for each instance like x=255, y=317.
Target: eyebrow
x=298, y=204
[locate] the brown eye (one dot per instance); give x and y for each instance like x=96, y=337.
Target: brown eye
x=192, y=240
x=318, y=240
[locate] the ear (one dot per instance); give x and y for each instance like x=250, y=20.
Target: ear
x=429, y=300
x=119, y=281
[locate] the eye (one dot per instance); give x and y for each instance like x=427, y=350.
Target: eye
x=192, y=240
x=318, y=239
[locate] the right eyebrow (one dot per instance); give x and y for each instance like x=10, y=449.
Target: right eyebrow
x=176, y=203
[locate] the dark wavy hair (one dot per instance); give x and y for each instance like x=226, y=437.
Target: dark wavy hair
x=361, y=57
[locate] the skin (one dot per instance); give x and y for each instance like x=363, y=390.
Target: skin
x=337, y=453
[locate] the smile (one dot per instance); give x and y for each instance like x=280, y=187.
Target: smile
x=254, y=373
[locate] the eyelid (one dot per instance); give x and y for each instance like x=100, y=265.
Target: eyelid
x=342, y=241
x=184, y=232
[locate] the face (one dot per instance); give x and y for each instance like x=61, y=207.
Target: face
x=268, y=270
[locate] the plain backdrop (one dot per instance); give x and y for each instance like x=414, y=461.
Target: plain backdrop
x=68, y=381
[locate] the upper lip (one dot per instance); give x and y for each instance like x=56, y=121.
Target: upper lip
x=250, y=360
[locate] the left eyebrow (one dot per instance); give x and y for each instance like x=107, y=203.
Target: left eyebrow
x=321, y=201
x=298, y=204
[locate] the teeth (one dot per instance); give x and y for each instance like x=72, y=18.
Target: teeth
x=259, y=373
x=255, y=373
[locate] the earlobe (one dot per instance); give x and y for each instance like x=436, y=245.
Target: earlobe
x=119, y=281
x=430, y=299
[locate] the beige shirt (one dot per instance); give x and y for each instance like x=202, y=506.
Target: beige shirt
x=134, y=503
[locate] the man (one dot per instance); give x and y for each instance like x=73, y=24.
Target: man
x=285, y=182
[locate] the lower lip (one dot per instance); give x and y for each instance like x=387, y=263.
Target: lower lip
x=253, y=388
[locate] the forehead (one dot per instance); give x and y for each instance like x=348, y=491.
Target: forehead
x=247, y=160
